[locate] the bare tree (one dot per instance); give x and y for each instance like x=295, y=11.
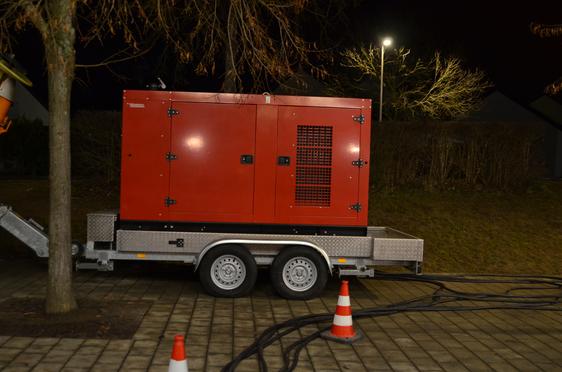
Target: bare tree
x=252, y=41
x=56, y=20
x=549, y=31
x=438, y=88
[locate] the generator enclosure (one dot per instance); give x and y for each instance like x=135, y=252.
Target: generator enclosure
x=208, y=158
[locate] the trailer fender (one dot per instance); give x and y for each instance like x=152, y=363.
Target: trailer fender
x=264, y=242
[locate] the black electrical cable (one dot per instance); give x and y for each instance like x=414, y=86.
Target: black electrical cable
x=435, y=301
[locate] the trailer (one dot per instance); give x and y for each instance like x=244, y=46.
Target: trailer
x=229, y=183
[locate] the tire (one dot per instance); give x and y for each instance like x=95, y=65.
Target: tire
x=228, y=271
x=299, y=273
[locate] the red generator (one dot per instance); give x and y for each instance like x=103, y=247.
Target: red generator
x=208, y=161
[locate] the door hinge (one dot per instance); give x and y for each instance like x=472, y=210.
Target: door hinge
x=359, y=118
x=171, y=156
x=358, y=163
x=356, y=207
x=168, y=201
x=172, y=112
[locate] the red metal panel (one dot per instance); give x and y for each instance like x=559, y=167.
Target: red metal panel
x=266, y=150
x=365, y=154
x=260, y=99
x=320, y=184
x=144, y=169
x=208, y=180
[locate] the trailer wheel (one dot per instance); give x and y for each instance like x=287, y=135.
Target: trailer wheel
x=299, y=273
x=228, y=271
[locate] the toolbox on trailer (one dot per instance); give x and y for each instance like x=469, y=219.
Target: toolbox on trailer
x=229, y=158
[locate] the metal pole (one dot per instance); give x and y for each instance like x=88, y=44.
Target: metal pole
x=382, y=73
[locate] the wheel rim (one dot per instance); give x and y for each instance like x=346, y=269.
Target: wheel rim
x=300, y=274
x=228, y=272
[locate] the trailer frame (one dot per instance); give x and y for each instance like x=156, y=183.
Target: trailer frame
x=107, y=243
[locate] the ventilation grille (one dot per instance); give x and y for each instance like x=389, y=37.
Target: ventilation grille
x=314, y=166
x=314, y=135
x=314, y=176
x=319, y=156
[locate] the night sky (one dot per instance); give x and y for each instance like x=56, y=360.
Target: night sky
x=490, y=35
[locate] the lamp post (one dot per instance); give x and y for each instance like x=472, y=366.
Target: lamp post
x=385, y=43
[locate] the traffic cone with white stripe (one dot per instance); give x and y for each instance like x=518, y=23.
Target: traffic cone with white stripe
x=178, y=361
x=342, y=326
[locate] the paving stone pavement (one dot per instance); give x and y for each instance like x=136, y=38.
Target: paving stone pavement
x=217, y=329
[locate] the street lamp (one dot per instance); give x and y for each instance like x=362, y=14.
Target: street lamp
x=385, y=43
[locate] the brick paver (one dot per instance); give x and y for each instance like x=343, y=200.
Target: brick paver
x=218, y=329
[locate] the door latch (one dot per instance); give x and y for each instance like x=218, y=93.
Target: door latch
x=178, y=243
x=284, y=160
x=246, y=159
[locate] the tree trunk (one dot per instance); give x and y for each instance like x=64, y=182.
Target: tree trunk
x=59, y=47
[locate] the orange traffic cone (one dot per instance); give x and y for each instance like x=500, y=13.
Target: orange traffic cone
x=178, y=361
x=342, y=326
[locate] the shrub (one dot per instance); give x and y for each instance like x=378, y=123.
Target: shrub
x=437, y=155
x=96, y=145
x=24, y=149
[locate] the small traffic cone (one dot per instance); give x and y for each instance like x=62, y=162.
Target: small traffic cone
x=178, y=361
x=342, y=326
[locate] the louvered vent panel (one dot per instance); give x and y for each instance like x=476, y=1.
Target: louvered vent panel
x=314, y=166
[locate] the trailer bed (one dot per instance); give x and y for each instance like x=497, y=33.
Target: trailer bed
x=381, y=245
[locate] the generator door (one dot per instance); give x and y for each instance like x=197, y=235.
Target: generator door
x=317, y=179
x=212, y=162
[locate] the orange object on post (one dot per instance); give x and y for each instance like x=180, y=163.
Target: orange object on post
x=5, y=123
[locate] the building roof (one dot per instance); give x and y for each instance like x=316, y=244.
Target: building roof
x=549, y=108
x=499, y=107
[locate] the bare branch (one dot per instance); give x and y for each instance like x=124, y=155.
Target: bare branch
x=113, y=59
x=439, y=88
x=549, y=31
x=546, y=31
x=32, y=11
